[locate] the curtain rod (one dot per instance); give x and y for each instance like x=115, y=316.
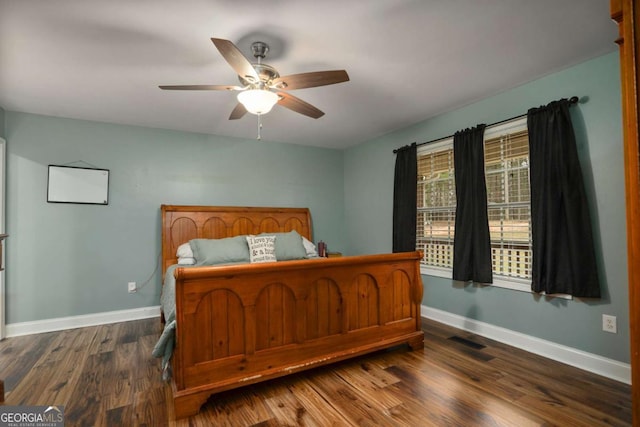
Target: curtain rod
x=572, y=100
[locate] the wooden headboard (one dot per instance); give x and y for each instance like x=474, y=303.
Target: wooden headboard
x=183, y=223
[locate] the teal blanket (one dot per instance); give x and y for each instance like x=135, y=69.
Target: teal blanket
x=164, y=346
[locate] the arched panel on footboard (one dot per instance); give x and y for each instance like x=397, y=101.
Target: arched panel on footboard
x=324, y=311
x=363, y=308
x=400, y=296
x=275, y=317
x=219, y=320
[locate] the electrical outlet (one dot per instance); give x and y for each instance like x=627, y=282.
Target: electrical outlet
x=609, y=324
x=131, y=286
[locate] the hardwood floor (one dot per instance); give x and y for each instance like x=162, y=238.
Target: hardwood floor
x=105, y=376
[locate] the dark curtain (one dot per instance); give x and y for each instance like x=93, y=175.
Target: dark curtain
x=471, y=243
x=404, y=199
x=563, y=251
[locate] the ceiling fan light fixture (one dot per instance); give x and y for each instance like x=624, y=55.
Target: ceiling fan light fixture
x=258, y=101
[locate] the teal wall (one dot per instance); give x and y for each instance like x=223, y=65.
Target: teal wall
x=369, y=197
x=70, y=259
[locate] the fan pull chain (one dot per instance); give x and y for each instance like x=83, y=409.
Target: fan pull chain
x=259, y=126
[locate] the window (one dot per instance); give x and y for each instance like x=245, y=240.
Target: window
x=507, y=177
x=436, y=203
x=508, y=202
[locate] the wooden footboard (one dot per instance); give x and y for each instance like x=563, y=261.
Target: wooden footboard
x=238, y=325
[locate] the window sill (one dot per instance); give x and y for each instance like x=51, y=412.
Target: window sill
x=498, y=281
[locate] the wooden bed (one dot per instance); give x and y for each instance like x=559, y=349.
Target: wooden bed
x=241, y=324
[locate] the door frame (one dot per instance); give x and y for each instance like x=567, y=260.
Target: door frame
x=3, y=168
x=627, y=14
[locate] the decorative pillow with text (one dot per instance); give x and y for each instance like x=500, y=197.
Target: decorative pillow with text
x=262, y=248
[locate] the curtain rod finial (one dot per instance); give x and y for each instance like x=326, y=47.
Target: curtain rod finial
x=576, y=100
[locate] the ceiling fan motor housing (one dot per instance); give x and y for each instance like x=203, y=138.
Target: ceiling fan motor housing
x=266, y=73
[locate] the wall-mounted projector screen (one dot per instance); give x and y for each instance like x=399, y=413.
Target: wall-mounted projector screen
x=69, y=184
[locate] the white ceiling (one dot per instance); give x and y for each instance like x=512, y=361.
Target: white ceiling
x=408, y=59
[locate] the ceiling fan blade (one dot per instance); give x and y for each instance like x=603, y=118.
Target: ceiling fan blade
x=299, y=106
x=200, y=87
x=236, y=59
x=238, y=112
x=313, y=79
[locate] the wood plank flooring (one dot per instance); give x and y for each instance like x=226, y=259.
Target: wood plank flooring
x=105, y=376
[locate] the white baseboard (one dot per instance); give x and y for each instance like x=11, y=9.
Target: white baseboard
x=72, y=322
x=580, y=359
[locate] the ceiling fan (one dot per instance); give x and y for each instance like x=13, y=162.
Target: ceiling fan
x=262, y=86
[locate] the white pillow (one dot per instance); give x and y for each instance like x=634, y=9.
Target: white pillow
x=184, y=251
x=186, y=261
x=262, y=248
x=311, y=249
